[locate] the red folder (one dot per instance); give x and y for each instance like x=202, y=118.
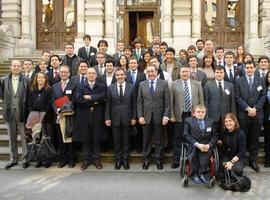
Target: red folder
x=61, y=101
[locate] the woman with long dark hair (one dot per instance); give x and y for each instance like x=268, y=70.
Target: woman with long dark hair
x=208, y=66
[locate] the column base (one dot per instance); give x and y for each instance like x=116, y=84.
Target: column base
x=255, y=46
x=25, y=47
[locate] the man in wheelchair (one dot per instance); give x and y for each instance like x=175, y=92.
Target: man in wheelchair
x=200, y=138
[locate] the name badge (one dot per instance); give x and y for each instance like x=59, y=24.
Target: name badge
x=68, y=91
x=208, y=129
x=227, y=91
x=92, y=53
x=259, y=88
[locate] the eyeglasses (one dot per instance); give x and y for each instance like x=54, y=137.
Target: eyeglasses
x=100, y=57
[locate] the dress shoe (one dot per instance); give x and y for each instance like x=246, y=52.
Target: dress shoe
x=159, y=166
x=203, y=179
x=62, y=164
x=117, y=165
x=84, y=165
x=145, y=165
x=197, y=180
x=47, y=164
x=254, y=166
x=25, y=165
x=126, y=165
x=97, y=164
x=267, y=164
x=71, y=164
x=9, y=165
x=38, y=165
x=175, y=165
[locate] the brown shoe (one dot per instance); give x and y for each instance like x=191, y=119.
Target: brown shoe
x=84, y=165
x=97, y=164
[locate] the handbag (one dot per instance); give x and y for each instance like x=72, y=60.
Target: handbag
x=32, y=151
x=235, y=183
x=46, y=150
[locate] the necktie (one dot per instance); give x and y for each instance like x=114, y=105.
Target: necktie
x=231, y=75
x=138, y=54
x=220, y=89
x=15, y=82
x=87, y=51
x=186, y=97
x=193, y=75
x=133, y=78
x=152, y=91
x=82, y=80
x=263, y=74
x=250, y=83
x=55, y=75
x=121, y=93
x=28, y=76
x=100, y=69
x=201, y=124
x=219, y=62
x=63, y=85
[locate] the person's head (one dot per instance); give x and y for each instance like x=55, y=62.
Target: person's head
x=15, y=67
x=170, y=52
x=250, y=68
x=120, y=75
x=183, y=54
x=267, y=79
x=137, y=43
x=191, y=50
x=100, y=58
x=43, y=65
x=146, y=56
x=109, y=66
x=55, y=61
x=156, y=38
x=128, y=51
x=219, y=53
x=102, y=46
x=208, y=60
x=154, y=61
x=122, y=62
x=40, y=80
x=133, y=64
x=28, y=65
x=230, y=122
x=229, y=58
x=208, y=46
x=64, y=72
x=91, y=74
x=193, y=61
x=46, y=56
x=248, y=57
x=219, y=73
x=199, y=111
x=200, y=44
x=162, y=47
x=184, y=72
x=120, y=46
x=240, y=51
x=151, y=72
x=83, y=66
x=155, y=48
x=264, y=62
x=86, y=40
x=69, y=49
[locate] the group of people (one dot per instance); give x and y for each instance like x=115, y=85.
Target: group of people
x=143, y=98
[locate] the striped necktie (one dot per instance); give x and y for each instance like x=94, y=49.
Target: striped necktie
x=187, y=97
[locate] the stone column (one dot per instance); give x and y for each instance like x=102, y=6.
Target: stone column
x=166, y=18
x=196, y=20
x=110, y=29
x=80, y=24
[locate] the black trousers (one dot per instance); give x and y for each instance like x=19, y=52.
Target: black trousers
x=121, y=142
x=252, y=128
x=150, y=130
x=218, y=126
x=178, y=136
x=266, y=126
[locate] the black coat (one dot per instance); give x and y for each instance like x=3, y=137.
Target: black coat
x=83, y=132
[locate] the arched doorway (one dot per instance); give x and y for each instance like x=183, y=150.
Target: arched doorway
x=56, y=23
x=223, y=22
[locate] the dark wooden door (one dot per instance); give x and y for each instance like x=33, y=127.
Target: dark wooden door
x=223, y=22
x=56, y=23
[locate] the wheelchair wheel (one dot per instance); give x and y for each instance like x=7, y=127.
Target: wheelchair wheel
x=211, y=183
x=183, y=161
x=185, y=181
x=216, y=161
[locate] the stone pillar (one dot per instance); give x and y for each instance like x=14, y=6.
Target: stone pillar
x=264, y=23
x=255, y=45
x=110, y=23
x=166, y=20
x=196, y=20
x=80, y=24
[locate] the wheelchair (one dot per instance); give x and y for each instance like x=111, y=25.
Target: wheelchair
x=185, y=168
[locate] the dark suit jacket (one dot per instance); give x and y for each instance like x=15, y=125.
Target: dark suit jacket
x=141, y=56
x=200, y=76
x=244, y=97
x=53, y=80
x=237, y=74
x=140, y=77
x=89, y=58
x=118, y=111
x=116, y=57
x=157, y=106
x=217, y=107
x=193, y=133
x=102, y=79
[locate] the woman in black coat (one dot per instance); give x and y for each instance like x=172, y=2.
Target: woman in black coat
x=232, y=145
x=266, y=123
x=39, y=99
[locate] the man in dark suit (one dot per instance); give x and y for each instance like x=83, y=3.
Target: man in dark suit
x=134, y=76
x=13, y=92
x=108, y=77
x=65, y=87
x=185, y=94
x=45, y=57
x=87, y=52
x=220, y=56
x=219, y=98
x=231, y=71
x=196, y=74
x=28, y=70
x=250, y=94
x=120, y=51
x=80, y=78
x=263, y=67
x=200, y=136
x=153, y=111
x=71, y=59
x=138, y=51
x=100, y=68
x=120, y=113
x=53, y=74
